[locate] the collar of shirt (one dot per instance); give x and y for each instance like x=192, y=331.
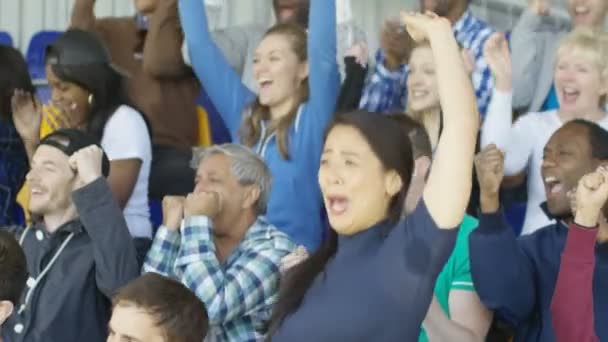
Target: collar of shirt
x=259, y=230
x=73, y=226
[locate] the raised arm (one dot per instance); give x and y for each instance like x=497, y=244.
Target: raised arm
x=324, y=78
x=449, y=185
x=498, y=128
x=83, y=15
x=162, y=49
x=113, y=249
x=528, y=44
x=573, y=295
x=165, y=248
x=493, y=246
x=221, y=82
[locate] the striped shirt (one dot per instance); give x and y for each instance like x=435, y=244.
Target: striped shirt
x=238, y=293
x=386, y=90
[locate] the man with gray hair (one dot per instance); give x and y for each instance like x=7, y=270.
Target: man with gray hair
x=217, y=242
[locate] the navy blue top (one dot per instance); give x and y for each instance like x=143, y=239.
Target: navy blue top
x=517, y=276
x=378, y=286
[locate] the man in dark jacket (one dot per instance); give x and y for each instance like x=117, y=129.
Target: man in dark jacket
x=550, y=285
x=79, y=251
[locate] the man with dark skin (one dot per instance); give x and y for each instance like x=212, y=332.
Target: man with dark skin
x=546, y=284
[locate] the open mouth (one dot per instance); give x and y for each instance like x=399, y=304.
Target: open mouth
x=337, y=205
x=553, y=186
x=570, y=95
x=417, y=94
x=265, y=83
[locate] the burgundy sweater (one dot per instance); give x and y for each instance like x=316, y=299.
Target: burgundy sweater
x=572, y=304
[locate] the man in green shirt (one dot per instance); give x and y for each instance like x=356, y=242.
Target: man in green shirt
x=456, y=312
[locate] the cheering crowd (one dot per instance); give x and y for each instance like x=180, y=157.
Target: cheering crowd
x=357, y=200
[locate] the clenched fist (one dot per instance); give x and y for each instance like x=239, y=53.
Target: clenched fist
x=87, y=164
x=489, y=166
x=202, y=204
x=173, y=211
x=591, y=195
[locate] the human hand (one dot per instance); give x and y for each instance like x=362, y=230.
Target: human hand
x=498, y=57
x=173, y=211
x=421, y=26
x=27, y=115
x=539, y=7
x=202, y=204
x=87, y=164
x=360, y=52
x=489, y=166
x=591, y=195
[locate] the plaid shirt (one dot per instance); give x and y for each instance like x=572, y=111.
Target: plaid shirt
x=386, y=90
x=238, y=294
x=13, y=166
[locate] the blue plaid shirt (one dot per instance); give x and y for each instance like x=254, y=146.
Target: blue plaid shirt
x=386, y=90
x=238, y=294
x=13, y=166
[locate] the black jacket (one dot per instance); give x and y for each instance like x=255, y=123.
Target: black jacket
x=72, y=302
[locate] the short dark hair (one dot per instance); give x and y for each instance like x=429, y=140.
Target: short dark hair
x=13, y=268
x=598, y=138
x=13, y=75
x=419, y=137
x=175, y=309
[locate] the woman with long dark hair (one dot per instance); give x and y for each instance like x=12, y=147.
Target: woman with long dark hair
x=373, y=279
x=298, y=80
x=89, y=94
x=13, y=159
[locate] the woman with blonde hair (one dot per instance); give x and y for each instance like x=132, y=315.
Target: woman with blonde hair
x=581, y=83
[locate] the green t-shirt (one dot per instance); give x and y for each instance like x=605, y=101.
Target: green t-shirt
x=456, y=274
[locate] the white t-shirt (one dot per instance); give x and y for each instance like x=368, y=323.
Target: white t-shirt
x=523, y=143
x=126, y=136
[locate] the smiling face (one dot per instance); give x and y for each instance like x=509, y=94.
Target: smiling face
x=279, y=72
x=578, y=83
x=421, y=81
x=51, y=181
x=587, y=13
x=356, y=188
x=567, y=158
x=68, y=97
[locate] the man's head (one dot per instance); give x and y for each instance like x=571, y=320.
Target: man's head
x=292, y=11
x=153, y=308
x=146, y=7
x=13, y=274
x=238, y=176
x=423, y=154
x=51, y=178
x=574, y=150
x=588, y=13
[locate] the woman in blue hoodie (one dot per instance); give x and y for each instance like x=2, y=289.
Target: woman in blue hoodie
x=298, y=83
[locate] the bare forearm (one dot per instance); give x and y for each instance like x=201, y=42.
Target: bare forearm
x=449, y=331
x=83, y=15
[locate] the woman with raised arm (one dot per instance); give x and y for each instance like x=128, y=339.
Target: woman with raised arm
x=298, y=80
x=373, y=279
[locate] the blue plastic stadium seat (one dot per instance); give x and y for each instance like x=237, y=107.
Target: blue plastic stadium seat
x=36, y=52
x=6, y=39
